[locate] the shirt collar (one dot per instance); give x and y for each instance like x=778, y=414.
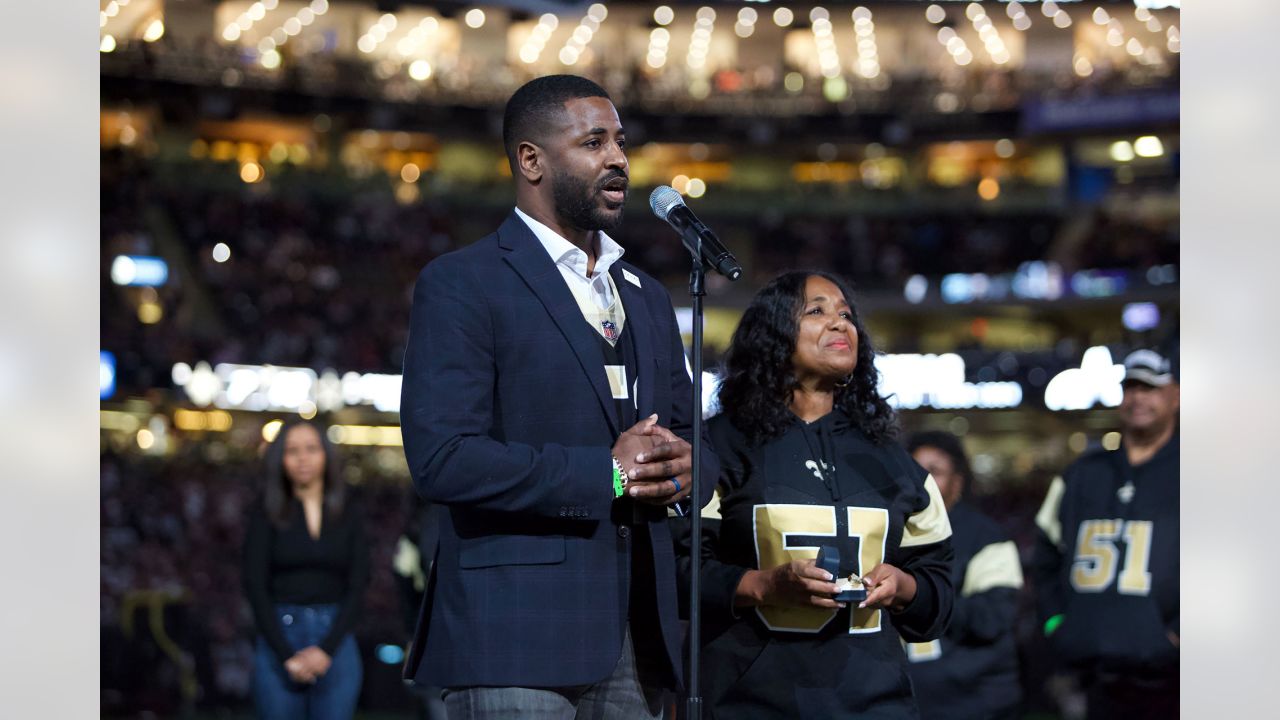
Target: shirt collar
x=565, y=253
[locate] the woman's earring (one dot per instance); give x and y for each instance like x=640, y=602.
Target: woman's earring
x=845, y=382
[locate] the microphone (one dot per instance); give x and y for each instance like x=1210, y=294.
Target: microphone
x=668, y=205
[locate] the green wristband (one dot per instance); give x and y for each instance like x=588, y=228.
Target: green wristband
x=1052, y=624
x=619, y=479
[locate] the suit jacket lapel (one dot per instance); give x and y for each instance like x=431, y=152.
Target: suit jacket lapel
x=530, y=260
x=639, y=321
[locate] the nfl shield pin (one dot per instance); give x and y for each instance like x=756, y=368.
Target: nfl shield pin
x=610, y=330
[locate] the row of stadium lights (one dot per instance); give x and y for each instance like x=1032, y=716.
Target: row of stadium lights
x=659, y=40
x=529, y=53
x=999, y=54
x=986, y=30
x=407, y=46
x=111, y=10
x=412, y=43
x=700, y=41
x=251, y=172
x=746, y=25
x=867, y=65
x=868, y=53
x=289, y=28
x=247, y=19
x=1123, y=151
x=990, y=37
x=1133, y=46
x=151, y=33
x=824, y=39
x=1147, y=55
x=377, y=33
x=1147, y=146
x=685, y=185
x=582, y=35
x=537, y=40
x=574, y=47
x=704, y=26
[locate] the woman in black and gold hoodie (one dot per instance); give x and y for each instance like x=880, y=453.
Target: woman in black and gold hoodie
x=808, y=460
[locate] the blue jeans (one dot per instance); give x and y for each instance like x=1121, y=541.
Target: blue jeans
x=333, y=696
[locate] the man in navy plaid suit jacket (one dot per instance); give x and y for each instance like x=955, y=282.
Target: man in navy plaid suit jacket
x=544, y=377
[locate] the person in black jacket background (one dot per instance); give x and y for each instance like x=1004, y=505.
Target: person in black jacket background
x=971, y=673
x=1106, y=559
x=305, y=571
x=809, y=460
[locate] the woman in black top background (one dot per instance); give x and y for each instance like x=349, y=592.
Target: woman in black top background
x=305, y=572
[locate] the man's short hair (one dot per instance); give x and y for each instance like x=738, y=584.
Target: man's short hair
x=537, y=105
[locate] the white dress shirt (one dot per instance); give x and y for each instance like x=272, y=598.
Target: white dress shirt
x=571, y=261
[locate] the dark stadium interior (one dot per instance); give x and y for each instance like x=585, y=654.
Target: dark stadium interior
x=1018, y=215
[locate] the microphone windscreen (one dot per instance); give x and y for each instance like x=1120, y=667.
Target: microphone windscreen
x=663, y=199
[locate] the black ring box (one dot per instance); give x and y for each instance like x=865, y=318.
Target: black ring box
x=829, y=560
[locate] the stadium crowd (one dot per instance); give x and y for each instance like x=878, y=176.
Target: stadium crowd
x=321, y=269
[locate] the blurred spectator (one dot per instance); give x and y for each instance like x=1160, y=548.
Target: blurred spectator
x=200, y=507
x=306, y=568
x=972, y=671
x=1107, y=559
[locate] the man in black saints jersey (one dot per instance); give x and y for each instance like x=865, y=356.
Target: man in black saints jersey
x=808, y=460
x=1106, y=560
x=971, y=673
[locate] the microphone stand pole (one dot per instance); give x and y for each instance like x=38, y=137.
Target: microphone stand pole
x=697, y=289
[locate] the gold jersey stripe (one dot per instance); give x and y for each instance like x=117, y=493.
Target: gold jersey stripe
x=1047, y=519
x=994, y=566
x=931, y=524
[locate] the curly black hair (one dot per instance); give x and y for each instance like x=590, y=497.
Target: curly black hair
x=759, y=378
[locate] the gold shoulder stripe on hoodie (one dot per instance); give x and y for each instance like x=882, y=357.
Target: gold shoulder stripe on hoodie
x=931, y=524
x=996, y=565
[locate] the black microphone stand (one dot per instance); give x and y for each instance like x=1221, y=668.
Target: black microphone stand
x=697, y=289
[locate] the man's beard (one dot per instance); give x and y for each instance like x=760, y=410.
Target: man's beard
x=576, y=203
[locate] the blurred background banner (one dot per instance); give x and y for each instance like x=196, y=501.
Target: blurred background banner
x=999, y=180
